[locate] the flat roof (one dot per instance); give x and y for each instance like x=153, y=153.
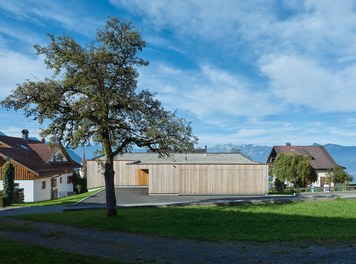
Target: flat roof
x=186, y=158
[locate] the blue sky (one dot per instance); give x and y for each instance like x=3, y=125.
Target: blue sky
x=262, y=72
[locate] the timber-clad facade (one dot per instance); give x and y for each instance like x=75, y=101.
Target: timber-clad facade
x=186, y=174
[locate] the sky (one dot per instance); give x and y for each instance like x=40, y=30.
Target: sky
x=258, y=72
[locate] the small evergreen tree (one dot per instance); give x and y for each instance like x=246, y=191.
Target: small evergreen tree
x=8, y=182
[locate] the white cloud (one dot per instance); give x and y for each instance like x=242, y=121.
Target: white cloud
x=15, y=68
x=208, y=93
x=301, y=81
x=70, y=15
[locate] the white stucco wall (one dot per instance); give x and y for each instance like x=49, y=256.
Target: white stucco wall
x=33, y=191
x=63, y=188
x=39, y=193
x=28, y=189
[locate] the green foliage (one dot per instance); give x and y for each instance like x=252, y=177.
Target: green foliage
x=293, y=168
x=68, y=200
x=338, y=175
x=2, y=200
x=93, y=97
x=279, y=185
x=79, y=183
x=8, y=182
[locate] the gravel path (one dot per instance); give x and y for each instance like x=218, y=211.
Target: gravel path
x=142, y=248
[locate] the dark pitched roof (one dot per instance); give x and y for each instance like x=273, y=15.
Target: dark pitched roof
x=44, y=151
x=320, y=157
x=34, y=155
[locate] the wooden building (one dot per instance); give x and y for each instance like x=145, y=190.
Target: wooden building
x=185, y=174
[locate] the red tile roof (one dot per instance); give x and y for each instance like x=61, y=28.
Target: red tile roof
x=320, y=157
x=35, y=156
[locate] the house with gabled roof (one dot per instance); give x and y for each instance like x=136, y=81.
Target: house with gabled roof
x=320, y=159
x=42, y=170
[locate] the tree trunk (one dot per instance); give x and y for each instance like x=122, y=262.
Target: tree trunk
x=110, y=188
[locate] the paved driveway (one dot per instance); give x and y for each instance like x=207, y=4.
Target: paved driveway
x=138, y=196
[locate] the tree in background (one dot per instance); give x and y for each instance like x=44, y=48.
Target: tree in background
x=293, y=168
x=93, y=97
x=79, y=182
x=338, y=175
x=8, y=180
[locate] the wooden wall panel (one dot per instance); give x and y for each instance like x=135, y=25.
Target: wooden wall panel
x=142, y=177
x=219, y=179
x=185, y=179
x=163, y=179
x=21, y=173
x=95, y=174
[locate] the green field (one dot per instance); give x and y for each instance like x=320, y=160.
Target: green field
x=317, y=221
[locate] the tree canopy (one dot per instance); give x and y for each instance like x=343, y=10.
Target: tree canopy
x=293, y=168
x=93, y=97
x=339, y=175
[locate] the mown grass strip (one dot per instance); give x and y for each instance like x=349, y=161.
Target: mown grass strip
x=68, y=200
x=300, y=221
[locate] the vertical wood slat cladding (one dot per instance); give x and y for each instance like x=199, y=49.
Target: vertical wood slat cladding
x=21, y=173
x=187, y=179
x=142, y=177
x=95, y=174
x=163, y=179
x=125, y=175
x=223, y=179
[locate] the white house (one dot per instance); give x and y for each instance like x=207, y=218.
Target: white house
x=320, y=159
x=43, y=171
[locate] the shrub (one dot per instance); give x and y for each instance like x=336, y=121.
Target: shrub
x=2, y=201
x=279, y=185
x=79, y=183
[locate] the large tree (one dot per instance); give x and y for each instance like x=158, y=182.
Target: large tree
x=293, y=168
x=93, y=97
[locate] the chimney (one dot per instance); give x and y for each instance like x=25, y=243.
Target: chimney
x=25, y=134
x=206, y=150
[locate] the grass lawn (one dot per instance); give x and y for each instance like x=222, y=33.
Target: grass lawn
x=317, y=221
x=60, y=201
x=18, y=252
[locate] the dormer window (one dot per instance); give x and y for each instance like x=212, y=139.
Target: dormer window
x=58, y=157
